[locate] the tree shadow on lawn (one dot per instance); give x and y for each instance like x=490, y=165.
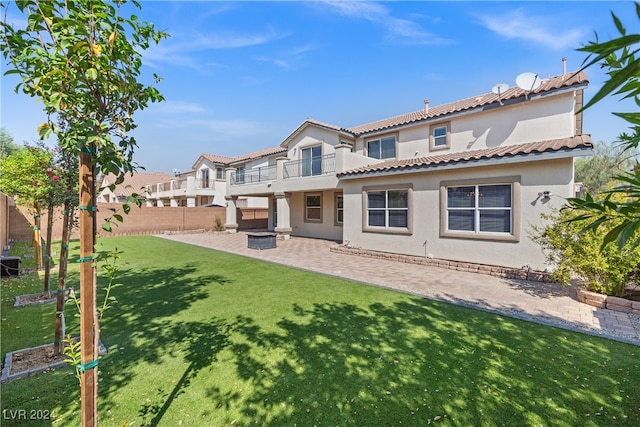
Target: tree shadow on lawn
x=411, y=362
x=138, y=328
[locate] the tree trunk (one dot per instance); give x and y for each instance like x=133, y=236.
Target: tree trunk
x=88, y=324
x=47, y=260
x=36, y=238
x=62, y=278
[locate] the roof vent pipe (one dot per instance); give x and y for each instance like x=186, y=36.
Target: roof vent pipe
x=564, y=65
x=426, y=105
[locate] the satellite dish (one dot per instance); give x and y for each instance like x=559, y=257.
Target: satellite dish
x=528, y=82
x=499, y=89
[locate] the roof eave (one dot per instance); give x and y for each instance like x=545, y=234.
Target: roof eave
x=517, y=158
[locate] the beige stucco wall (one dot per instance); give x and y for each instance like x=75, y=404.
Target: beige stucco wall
x=327, y=229
x=553, y=175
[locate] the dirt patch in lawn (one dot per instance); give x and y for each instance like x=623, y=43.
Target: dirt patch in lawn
x=36, y=358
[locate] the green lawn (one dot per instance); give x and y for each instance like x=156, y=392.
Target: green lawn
x=205, y=338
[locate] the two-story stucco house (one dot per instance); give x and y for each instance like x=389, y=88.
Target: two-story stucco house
x=463, y=181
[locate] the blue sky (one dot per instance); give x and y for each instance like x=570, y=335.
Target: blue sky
x=241, y=76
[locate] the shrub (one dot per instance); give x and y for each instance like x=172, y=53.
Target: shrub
x=604, y=269
x=218, y=226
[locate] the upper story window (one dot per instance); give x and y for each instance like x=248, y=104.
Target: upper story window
x=440, y=136
x=220, y=174
x=350, y=143
x=383, y=148
x=240, y=175
x=205, y=178
x=311, y=160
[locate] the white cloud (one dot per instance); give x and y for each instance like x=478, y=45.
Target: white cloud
x=178, y=107
x=398, y=30
x=518, y=24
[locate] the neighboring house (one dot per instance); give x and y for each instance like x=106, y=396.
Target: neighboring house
x=464, y=181
x=133, y=184
x=206, y=185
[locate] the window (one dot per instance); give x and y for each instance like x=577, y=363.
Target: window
x=383, y=148
x=205, y=178
x=350, y=143
x=220, y=174
x=484, y=211
x=439, y=137
x=240, y=175
x=311, y=160
x=313, y=207
x=387, y=210
x=339, y=209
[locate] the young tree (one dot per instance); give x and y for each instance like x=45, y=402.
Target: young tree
x=82, y=60
x=68, y=171
x=23, y=176
x=619, y=57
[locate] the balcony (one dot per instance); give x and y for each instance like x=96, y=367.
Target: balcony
x=252, y=176
x=310, y=167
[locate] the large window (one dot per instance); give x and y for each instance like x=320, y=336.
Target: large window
x=383, y=148
x=313, y=207
x=489, y=210
x=387, y=209
x=311, y=160
x=439, y=137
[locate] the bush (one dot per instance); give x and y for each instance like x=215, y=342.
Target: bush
x=606, y=270
x=218, y=226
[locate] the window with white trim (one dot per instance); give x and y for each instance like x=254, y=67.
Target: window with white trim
x=439, y=136
x=480, y=208
x=339, y=209
x=311, y=160
x=313, y=207
x=388, y=208
x=382, y=148
x=220, y=173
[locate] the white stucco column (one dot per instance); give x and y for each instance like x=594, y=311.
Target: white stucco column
x=283, y=205
x=341, y=153
x=232, y=222
x=160, y=203
x=174, y=202
x=191, y=202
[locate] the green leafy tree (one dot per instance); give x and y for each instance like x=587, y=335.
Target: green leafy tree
x=82, y=61
x=7, y=146
x=597, y=173
x=621, y=217
x=23, y=175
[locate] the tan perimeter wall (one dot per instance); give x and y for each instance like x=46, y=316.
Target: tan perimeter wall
x=143, y=220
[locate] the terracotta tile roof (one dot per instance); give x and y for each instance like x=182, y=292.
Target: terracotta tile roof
x=244, y=157
x=217, y=159
x=550, y=84
x=555, y=145
x=257, y=154
x=134, y=183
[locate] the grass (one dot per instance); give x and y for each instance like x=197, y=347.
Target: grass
x=205, y=338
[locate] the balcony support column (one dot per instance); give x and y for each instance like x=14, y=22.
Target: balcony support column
x=232, y=222
x=283, y=206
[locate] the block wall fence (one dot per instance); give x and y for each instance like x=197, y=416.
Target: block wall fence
x=143, y=220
